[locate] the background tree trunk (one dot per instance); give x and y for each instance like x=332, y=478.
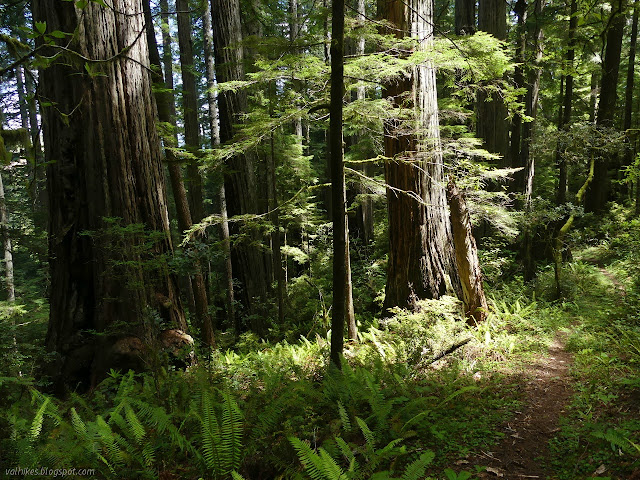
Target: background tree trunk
x=599, y=190
x=465, y=17
x=107, y=139
x=491, y=115
x=249, y=263
x=166, y=106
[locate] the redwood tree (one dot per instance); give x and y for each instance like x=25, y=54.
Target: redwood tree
x=421, y=258
x=104, y=175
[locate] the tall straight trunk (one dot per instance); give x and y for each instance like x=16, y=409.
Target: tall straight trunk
x=24, y=120
x=275, y=236
x=249, y=263
x=465, y=17
x=422, y=263
x=8, y=264
x=38, y=167
x=491, y=113
x=364, y=212
x=190, y=108
x=520, y=9
x=531, y=103
x=166, y=111
x=6, y=243
x=599, y=190
x=338, y=198
x=526, y=159
x=565, y=114
x=593, y=97
x=107, y=138
x=628, y=101
x=215, y=140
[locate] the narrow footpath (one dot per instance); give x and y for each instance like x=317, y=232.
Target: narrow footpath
x=524, y=450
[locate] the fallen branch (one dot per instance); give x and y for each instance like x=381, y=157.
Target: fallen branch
x=449, y=350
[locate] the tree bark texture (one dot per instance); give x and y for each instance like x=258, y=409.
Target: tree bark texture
x=166, y=114
x=465, y=17
x=565, y=115
x=421, y=258
x=190, y=108
x=628, y=101
x=103, y=155
x=491, y=113
x=249, y=263
x=338, y=198
x=473, y=298
x=599, y=190
x=215, y=140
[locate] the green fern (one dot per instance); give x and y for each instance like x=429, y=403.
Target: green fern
x=221, y=440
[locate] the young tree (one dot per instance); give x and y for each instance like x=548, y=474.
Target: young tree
x=338, y=199
x=103, y=163
x=421, y=258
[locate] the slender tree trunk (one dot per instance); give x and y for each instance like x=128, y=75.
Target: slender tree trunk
x=249, y=263
x=272, y=193
x=8, y=252
x=465, y=17
x=565, y=113
x=628, y=101
x=593, y=97
x=166, y=110
x=338, y=198
x=190, y=108
x=38, y=190
x=599, y=190
x=520, y=9
x=215, y=140
x=106, y=139
x=421, y=258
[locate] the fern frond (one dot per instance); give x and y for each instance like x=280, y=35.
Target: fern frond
x=415, y=470
x=36, y=425
x=231, y=435
x=368, y=434
x=137, y=429
x=311, y=461
x=344, y=417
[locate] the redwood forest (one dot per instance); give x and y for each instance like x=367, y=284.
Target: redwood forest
x=319, y=239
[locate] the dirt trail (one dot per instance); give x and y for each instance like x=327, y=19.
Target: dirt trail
x=524, y=451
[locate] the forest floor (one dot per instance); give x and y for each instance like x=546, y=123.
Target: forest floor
x=547, y=388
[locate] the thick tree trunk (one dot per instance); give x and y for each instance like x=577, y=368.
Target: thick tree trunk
x=103, y=162
x=599, y=190
x=465, y=17
x=338, y=199
x=190, y=108
x=166, y=114
x=491, y=113
x=421, y=258
x=249, y=263
x=473, y=298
